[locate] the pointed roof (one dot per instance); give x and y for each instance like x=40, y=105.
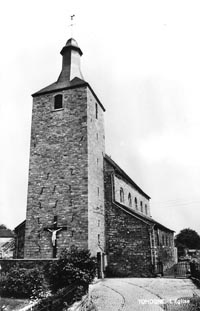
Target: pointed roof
x=70, y=75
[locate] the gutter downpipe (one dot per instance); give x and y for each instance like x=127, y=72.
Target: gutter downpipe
x=152, y=246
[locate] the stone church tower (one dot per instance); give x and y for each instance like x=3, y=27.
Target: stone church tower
x=79, y=196
x=65, y=204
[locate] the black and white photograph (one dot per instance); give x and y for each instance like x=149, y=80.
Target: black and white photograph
x=100, y=155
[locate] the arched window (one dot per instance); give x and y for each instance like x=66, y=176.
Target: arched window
x=121, y=195
x=146, y=211
x=136, y=206
x=58, y=101
x=96, y=110
x=158, y=237
x=129, y=200
x=141, y=206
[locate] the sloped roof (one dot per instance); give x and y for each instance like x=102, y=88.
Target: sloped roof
x=148, y=220
x=22, y=224
x=6, y=233
x=10, y=245
x=59, y=86
x=56, y=86
x=122, y=173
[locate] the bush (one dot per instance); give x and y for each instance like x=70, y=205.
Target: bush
x=73, y=267
x=61, y=299
x=22, y=283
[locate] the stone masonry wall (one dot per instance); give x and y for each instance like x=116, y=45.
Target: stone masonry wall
x=164, y=242
x=19, y=241
x=127, y=188
x=58, y=173
x=96, y=151
x=127, y=238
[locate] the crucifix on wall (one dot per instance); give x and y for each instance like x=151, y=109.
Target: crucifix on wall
x=54, y=231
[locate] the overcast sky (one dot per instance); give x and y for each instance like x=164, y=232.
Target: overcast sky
x=142, y=58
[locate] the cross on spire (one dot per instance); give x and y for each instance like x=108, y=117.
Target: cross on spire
x=72, y=23
x=54, y=231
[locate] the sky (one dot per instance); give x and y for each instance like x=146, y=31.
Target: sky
x=142, y=60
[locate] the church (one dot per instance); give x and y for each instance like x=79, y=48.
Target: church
x=77, y=195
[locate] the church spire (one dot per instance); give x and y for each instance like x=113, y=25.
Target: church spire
x=71, y=54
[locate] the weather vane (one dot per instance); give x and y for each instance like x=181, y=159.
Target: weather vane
x=72, y=23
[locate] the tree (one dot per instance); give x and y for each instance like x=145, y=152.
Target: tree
x=187, y=238
x=2, y=226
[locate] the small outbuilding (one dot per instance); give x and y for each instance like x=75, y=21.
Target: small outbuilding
x=6, y=242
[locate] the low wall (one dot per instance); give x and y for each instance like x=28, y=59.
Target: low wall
x=6, y=264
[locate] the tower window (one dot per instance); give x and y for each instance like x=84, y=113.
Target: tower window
x=136, y=206
x=141, y=206
x=58, y=101
x=121, y=195
x=145, y=209
x=158, y=238
x=96, y=110
x=129, y=200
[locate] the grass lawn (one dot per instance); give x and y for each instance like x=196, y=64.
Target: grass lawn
x=192, y=305
x=12, y=304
